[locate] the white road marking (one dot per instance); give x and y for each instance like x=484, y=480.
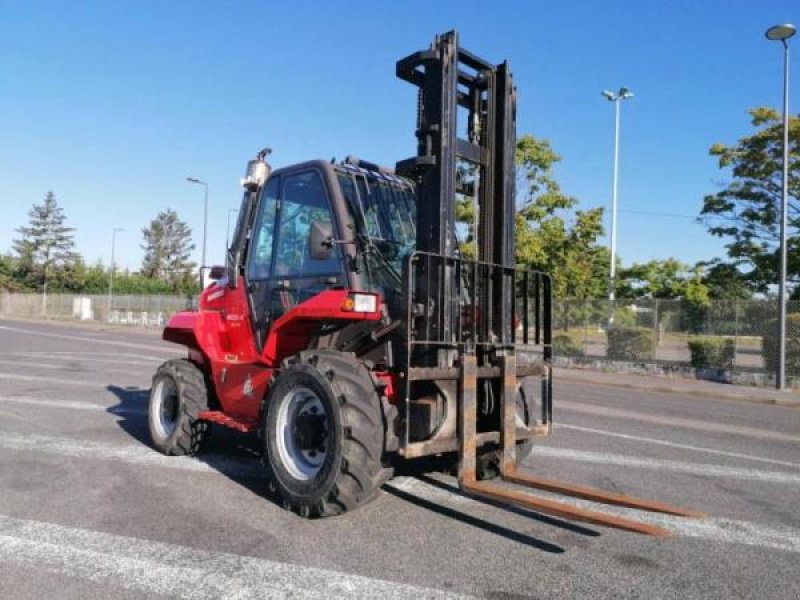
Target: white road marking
x=234, y=466
x=150, y=347
x=158, y=568
x=654, y=464
x=56, y=380
x=716, y=529
x=74, y=405
x=729, y=531
x=78, y=357
x=604, y=411
x=647, y=440
x=71, y=369
x=68, y=354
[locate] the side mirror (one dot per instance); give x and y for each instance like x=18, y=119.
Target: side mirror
x=320, y=240
x=217, y=272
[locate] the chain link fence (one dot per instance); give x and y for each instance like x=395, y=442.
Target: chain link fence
x=730, y=335
x=124, y=309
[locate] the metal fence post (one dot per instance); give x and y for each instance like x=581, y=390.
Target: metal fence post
x=655, y=328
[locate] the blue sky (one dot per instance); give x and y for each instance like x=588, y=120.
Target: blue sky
x=112, y=104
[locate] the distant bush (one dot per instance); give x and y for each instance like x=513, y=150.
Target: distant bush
x=624, y=317
x=565, y=345
x=769, y=344
x=627, y=343
x=712, y=352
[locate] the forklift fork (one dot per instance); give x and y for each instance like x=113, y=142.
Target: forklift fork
x=468, y=385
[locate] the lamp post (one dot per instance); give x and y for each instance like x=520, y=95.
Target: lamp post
x=782, y=33
x=615, y=97
x=228, y=230
x=112, y=268
x=205, y=224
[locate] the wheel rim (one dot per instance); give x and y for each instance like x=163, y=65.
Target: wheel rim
x=302, y=433
x=164, y=408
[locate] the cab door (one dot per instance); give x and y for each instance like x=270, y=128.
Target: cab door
x=281, y=271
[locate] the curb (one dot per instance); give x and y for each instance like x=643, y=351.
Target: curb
x=678, y=390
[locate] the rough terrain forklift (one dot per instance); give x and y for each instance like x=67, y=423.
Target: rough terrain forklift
x=348, y=331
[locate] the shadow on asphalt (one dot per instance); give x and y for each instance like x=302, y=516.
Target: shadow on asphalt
x=237, y=457
x=547, y=520
x=232, y=454
x=451, y=513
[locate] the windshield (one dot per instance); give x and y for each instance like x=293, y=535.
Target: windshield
x=384, y=210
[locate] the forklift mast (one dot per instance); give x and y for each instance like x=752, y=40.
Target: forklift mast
x=450, y=78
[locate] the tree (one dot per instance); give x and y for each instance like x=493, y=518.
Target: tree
x=45, y=245
x=725, y=282
x=551, y=235
x=747, y=210
x=167, y=246
x=668, y=278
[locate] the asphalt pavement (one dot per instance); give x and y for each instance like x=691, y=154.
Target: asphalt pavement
x=89, y=510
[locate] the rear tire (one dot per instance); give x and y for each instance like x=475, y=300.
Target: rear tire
x=324, y=434
x=177, y=396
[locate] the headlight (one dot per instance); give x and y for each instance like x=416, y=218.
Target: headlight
x=366, y=303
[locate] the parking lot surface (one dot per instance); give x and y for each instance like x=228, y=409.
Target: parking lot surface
x=89, y=510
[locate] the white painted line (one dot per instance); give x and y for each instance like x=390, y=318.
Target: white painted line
x=150, y=347
x=161, y=569
x=56, y=380
x=234, y=466
x=69, y=354
x=713, y=529
x=79, y=357
x=707, y=470
x=605, y=411
x=625, y=436
x=76, y=370
x=74, y=405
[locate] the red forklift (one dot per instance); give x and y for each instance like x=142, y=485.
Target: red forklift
x=350, y=334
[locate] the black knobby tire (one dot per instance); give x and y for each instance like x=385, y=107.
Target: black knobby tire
x=351, y=470
x=181, y=432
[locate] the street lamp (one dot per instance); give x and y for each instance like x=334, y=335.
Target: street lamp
x=782, y=33
x=615, y=97
x=205, y=224
x=112, y=268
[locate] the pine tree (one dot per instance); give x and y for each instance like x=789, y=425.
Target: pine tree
x=46, y=244
x=167, y=247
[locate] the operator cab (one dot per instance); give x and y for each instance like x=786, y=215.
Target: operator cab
x=366, y=213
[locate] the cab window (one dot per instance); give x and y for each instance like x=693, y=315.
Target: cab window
x=303, y=201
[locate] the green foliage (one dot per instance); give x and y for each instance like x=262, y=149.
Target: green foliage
x=551, y=235
x=631, y=344
x=566, y=345
x=668, y=278
x=712, y=352
x=624, y=317
x=747, y=211
x=725, y=282
x=45, y=245
x=167, y=246
x=769, y=344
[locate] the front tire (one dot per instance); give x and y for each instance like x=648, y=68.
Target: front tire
x=324, y=434
x=177, y=396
